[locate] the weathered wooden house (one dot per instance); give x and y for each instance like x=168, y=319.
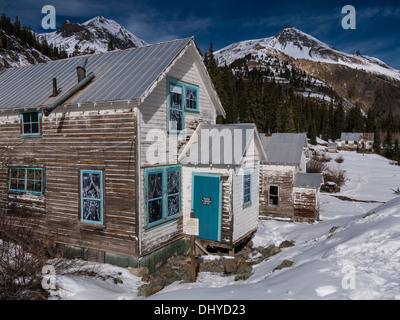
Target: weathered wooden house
x=286, y=189
x=93, y=146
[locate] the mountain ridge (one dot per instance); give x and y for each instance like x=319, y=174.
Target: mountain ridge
x=364, y=81
x=94, y=35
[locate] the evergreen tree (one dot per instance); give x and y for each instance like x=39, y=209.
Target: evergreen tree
x=110, y=46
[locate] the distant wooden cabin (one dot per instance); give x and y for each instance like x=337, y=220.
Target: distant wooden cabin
x=286, y=189
x=356, y=141
x=332, y=147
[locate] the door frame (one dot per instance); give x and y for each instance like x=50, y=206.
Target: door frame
x=210, y=175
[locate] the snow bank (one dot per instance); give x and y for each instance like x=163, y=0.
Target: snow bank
x=352, y=253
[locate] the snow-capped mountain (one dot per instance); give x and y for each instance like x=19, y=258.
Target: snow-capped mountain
x=92, y=36
x=300, y=46
x=359, y=79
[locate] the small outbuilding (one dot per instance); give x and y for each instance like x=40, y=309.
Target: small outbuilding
x=306, y=195
x=286, y=190
x=220, y=180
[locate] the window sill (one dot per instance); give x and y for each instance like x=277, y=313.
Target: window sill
x=31, y=136
x=88, y=226
x=162, y=223
x=246, y=205
x=24, y=193
x=192, y=111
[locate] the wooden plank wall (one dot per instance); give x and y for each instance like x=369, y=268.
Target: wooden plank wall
x=71, y=141
x=305, y=203
x=284, y=177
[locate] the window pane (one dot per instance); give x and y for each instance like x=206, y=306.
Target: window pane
x=26, y=117
x=247, y=198
x=35, y=128
x=176, y=120
x=155, y=210
x=34, y=116
x=154, y=186
x=30, y=174
x=38, y=186
x=91, y=210
x=14, y=173
x=173, y=182
x=21, y=174
x=13, y=184
x=91, y=183
x=38, y=175
x=173, y=205
x=191, y=99
x=21, y=185
x=27, y=128
x=30, y=186
x=176, y=97
x=274, y=190
x=273, y=200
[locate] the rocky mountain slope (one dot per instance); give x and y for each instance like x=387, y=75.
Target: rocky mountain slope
x=362, y=80
x=13, y=54
x=92, y=36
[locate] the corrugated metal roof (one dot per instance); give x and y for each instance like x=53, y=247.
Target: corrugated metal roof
x=220, y=144
x=313, y=180
x=119, y=75
x=284, y=148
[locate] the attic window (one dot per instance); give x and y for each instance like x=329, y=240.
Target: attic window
x=30, y=123
x=182, y=97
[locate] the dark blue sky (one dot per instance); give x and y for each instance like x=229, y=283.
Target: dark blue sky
x=226, y=21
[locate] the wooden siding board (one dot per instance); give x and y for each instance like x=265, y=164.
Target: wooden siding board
x=63, y=151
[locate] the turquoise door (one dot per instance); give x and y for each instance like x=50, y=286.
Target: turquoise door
x=206, y=204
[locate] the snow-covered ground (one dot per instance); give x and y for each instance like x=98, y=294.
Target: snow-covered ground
x=352, y=253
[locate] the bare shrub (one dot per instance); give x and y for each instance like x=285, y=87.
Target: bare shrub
x=324, y=158
x=315, y=166
x=339, y=159
x=335, y=175
x=23, y=258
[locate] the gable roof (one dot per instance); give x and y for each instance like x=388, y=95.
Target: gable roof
x=350, y=136
x=284, y=148
x=119, y=75
x=222, y=144
x=313, y=180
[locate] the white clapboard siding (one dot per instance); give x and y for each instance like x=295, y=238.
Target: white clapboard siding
x=245, y=218
x=153, y=115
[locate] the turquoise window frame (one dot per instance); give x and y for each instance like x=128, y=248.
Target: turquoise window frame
x=165, y=218
x=31, y=123
x=194, y=88
x=82, y=172
x=185, y=109
x=247, y=191
x=26, y=180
